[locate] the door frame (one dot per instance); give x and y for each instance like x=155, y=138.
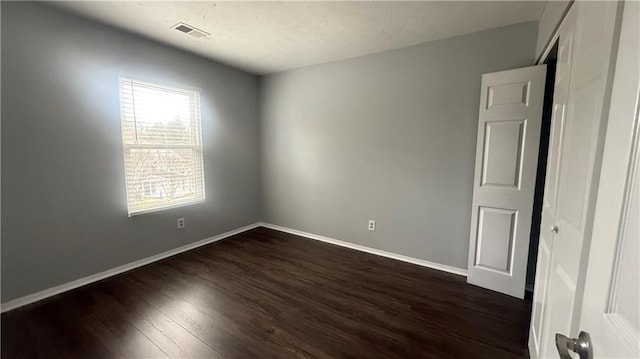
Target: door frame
x=554, y=35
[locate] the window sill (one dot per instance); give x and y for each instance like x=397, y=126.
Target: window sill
x=170, y=206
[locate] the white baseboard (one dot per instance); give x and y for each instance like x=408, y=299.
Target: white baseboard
x=28, y=299
x=420, y=262
x=31, y=298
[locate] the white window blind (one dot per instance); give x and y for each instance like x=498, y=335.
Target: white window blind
x=162, y=139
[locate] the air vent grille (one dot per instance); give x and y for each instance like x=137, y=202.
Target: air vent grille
x=183, y=28
x=188, y=29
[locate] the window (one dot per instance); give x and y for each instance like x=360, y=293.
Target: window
x=162, y=139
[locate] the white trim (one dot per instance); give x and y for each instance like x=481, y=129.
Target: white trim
x=555, y=34
x=31, y=298
x=400, y=257
x=171, y=205
x=547, y=50
x=43, y=294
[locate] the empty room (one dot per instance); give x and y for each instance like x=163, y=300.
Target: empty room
x=320, y=179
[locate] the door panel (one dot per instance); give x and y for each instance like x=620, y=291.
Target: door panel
x=496, y=232
x=506, y=161
x=537, y=311
x=556, y=133
x=561, y=303
x=578, y=139
x=625, y=298
x=503, y=153
x=514, y=94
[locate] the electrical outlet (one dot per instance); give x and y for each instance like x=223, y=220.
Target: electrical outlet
x=372, y=225
x=180, y=223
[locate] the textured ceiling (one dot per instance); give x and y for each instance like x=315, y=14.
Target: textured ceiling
x=266, y=37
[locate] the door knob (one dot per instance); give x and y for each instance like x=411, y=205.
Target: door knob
x=554, y=229
x=581, y=346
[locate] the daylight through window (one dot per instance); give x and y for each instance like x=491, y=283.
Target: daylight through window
x=162, y=139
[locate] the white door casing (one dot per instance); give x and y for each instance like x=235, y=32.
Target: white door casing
x=611, y=305
x=584, y=65
x=505, y=175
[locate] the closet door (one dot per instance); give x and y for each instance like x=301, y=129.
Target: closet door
x=560, y=95
x=505, y=176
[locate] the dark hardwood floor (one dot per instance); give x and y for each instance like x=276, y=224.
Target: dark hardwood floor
x=268, y=294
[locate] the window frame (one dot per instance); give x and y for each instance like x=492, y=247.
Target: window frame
x=197, y=147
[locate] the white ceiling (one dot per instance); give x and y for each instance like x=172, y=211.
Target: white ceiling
x=266, y=37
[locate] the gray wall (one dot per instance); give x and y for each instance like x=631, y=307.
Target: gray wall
x=64, y=212
x=389, y=137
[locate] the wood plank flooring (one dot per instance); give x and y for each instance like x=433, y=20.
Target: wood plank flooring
x=268, y=294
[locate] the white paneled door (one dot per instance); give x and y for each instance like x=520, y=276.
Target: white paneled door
x=611, y=298
x=587, y=44
x=545, y=243
x=505, y=176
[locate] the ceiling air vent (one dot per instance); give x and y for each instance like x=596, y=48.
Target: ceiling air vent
x=188, y=29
